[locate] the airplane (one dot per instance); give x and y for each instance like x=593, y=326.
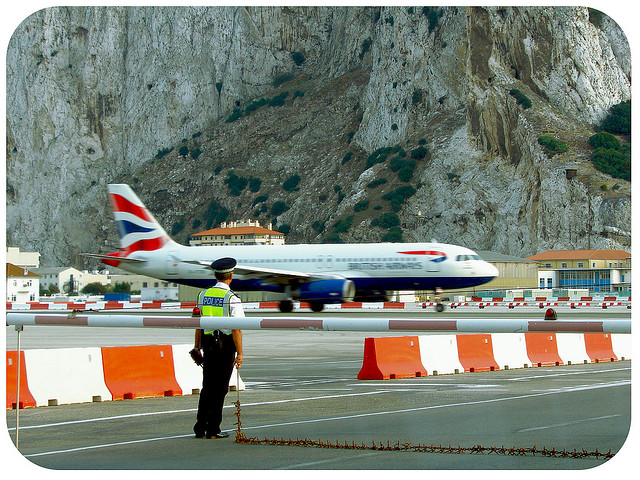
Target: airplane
x=318, y=274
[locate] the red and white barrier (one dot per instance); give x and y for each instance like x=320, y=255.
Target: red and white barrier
x=444, y=354
x=477, y=302
x=79, y=375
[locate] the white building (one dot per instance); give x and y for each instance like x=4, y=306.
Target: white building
x=139, y=282
x=61, y=277
x=23, y=259
x=22, y=285
x=238, y=233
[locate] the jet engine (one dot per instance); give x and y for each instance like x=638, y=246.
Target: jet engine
x=327, y=291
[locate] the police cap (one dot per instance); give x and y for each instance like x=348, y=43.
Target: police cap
x=224, y=265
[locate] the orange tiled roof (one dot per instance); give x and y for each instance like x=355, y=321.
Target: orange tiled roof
x=237, y=231
x=15, y=271
x=581, y=255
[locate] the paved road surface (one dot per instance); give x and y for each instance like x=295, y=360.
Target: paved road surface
x=303, y=385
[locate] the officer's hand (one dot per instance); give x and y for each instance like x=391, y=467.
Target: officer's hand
x=238, y=360
x=196, y=355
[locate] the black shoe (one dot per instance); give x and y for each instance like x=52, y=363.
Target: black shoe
x=218, y=435
x=200, y=435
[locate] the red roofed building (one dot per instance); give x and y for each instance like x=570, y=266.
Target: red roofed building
x=238, y=233
x=598, y=270
x=22, y=285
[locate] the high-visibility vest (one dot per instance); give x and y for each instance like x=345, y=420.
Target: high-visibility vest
x=215, y=302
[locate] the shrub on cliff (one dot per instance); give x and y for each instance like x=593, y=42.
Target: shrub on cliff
x=551, y=145
x=604, y=140
x=618, y=120
x=521, y=98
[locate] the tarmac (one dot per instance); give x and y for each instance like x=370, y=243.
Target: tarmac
x=302, y=385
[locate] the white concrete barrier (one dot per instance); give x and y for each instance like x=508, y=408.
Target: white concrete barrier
x=66, y=375
x=439, y=353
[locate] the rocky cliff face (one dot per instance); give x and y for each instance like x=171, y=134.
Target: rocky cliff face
x=143, y=95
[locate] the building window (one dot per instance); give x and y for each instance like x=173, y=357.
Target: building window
x=542, y=283
x=580, y=264
x=565, y=265
x=549, y=283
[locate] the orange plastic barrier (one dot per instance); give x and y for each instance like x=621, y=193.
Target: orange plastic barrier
x=74, y=305
x=351, y=305
x=113, y=304
x=38, y=306
x=269, y=304
x=542, y=348
x=599, y=347
x=393, y=305
x=134, y=372
x=153, y=304
x=476, y=352
x=391, y=357
x=26, y=399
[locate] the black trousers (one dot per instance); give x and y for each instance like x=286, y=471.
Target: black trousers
x=217, y=367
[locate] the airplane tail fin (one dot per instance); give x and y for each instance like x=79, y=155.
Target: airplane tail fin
x=137, y=228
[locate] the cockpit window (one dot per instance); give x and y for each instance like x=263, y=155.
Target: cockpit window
x=464, y=258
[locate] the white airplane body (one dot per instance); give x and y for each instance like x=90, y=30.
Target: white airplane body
x=319, y=273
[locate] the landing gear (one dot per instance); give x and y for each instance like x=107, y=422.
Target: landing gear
x=286, y=306
x=439, y=305
x=316, y=306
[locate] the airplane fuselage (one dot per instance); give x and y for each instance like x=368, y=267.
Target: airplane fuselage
x=371, y=267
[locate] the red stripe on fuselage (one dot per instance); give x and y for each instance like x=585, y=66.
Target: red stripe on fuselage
x=121, y=204
x=424, y=252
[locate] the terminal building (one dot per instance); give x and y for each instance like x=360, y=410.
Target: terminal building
x=238, y=233
x=595, y=270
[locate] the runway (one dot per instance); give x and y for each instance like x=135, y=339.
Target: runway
x=303, y=385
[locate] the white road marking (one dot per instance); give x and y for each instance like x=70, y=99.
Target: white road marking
x=564, y=374
x=330, y=419
x=575, y=422
x=191, y=410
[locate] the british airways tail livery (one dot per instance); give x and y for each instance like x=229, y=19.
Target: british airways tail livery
x=318, y=274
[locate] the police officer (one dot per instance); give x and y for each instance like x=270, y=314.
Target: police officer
x=218, y=347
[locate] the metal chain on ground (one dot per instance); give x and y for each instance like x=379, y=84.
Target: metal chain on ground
x=409, y=447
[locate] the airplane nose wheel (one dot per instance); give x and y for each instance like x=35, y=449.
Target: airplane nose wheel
x=439, y=305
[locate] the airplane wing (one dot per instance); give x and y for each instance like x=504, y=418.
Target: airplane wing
x=272, y=276
x=112, y=257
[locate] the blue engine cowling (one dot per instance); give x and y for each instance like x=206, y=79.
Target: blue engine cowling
x=327, y=291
